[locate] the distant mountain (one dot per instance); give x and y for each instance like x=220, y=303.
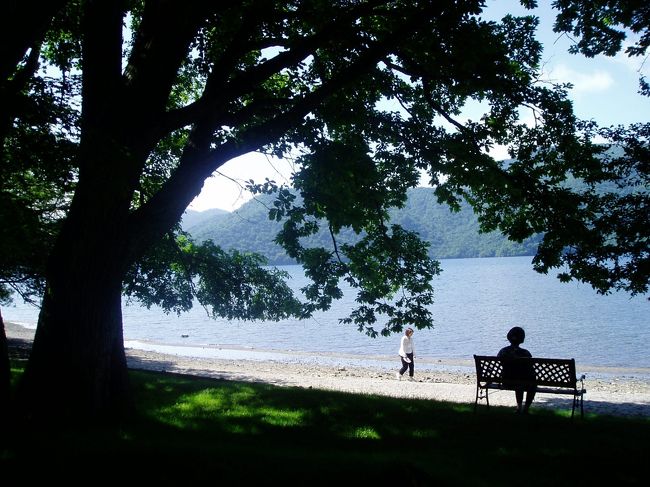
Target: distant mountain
x=455, y=234
x=451, y=235
x=192, y=218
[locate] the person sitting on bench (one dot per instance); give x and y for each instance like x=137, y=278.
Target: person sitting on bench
x=514, y=371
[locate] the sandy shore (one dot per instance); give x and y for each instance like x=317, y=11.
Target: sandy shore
x=620, y=393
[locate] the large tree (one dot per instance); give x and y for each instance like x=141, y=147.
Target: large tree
x=366, y=93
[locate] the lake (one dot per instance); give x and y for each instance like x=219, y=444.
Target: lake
x=477, y=301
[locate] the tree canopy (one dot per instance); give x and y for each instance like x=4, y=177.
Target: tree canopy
x=136, y=103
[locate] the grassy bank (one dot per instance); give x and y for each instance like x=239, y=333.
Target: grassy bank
x=233, y=433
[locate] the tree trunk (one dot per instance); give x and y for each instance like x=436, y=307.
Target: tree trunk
x=77, y=369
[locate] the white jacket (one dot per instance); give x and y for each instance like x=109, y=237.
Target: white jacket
x=406, y=345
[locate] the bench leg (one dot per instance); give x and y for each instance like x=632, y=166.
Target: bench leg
x=479, y=397
x=578, y=400
x=573, y=409
x=582, y=407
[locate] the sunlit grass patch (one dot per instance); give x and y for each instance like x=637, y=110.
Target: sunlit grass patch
x=365, y=433
x=208, y=401
x=227, y=407
x=282, y=417
x=191, y=410
x=17, y=368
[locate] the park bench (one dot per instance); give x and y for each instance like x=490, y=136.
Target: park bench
x=552, y=376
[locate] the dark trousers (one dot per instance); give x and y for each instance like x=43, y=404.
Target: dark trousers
x=406, y=365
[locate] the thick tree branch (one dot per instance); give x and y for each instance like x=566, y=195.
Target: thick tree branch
x=220, y=91
x=10, y=91
x=200, y=161
x=160, y=47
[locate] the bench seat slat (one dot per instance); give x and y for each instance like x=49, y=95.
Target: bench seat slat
x=544, y=390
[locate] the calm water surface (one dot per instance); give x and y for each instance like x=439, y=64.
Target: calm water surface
x=477, y=301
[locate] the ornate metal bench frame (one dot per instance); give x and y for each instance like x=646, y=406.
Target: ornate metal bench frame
x=552, y=376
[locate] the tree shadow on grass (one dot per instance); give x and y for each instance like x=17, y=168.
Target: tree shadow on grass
x=626, y=409
x=191, y=428
x=327, y=437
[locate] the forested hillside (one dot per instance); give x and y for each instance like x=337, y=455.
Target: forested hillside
x=452, y=235
x=195, y=218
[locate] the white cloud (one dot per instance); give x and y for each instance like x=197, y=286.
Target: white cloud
x=583, y=83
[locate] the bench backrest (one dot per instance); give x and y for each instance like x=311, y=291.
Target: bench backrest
x=552, y=372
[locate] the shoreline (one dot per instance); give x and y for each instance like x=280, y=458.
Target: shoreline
x=615, y=391
x=336, y=359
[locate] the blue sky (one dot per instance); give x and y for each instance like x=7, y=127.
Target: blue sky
x=605, y=89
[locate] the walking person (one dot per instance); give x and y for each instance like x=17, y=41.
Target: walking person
x=517, y=371
x=407, y=354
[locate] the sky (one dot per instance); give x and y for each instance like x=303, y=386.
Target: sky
x=605, y=89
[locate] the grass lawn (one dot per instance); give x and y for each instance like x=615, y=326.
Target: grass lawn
x=235, y=433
